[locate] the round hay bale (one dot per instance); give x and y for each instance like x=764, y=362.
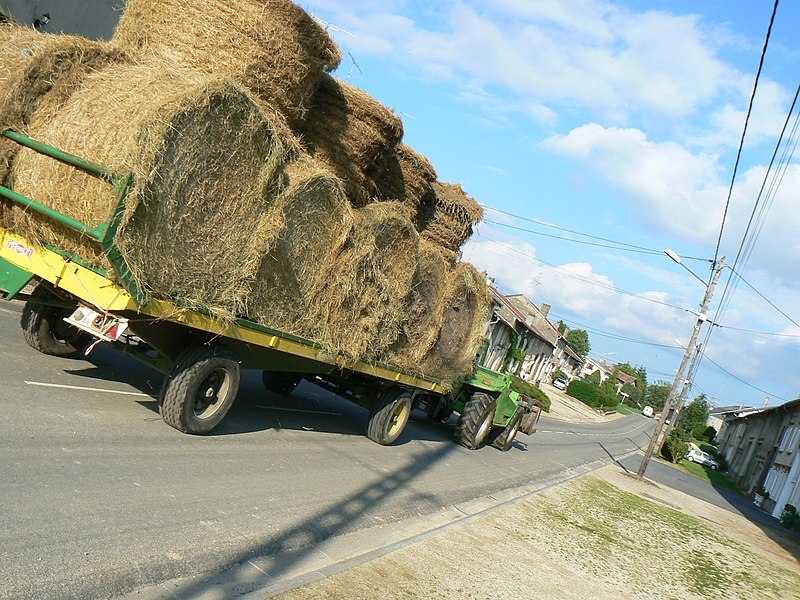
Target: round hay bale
x=33, y=65
x=450, y=219
x=317, y=221
x=353, y=134
x=359, y=308
x=272, y=47
x=206, y=161
x=424, y=309
x=408, y=178
x=466, y=306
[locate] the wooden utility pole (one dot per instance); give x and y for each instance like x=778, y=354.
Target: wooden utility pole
x=670, y=402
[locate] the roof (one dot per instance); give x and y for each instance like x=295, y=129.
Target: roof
x=625, y=378
x=518, y=314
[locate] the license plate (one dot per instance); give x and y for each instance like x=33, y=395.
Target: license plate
x=105, y=327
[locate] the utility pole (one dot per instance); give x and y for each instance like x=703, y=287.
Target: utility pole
x=686, y=385
x=670, y=402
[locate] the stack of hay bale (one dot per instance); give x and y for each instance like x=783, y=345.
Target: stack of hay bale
x=265, y=187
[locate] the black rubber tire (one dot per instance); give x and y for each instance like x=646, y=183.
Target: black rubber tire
x=475, y=421
x=280, y=382
x=389, y=416
x=505, y=440
x=45, y=330
x=200, y=389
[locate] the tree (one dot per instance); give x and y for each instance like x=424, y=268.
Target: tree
x=695, y=415
x=639, y=372
x=578, y=340
x=657, y=393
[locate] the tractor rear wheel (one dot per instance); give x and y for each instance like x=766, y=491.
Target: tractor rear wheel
x=45, y=330
x=389, y=416
x=475, y=420
x=201, y=388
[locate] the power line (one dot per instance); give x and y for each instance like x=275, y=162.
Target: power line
x=559, y=237
x=560, y=271
x=616, y=246
x=744, y=130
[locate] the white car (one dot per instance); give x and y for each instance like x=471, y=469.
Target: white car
x=701, y=458
x=560, y=383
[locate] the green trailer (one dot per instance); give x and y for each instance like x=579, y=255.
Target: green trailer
x=70, y=305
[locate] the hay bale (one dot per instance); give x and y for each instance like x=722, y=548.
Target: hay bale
x=317, y=220
x=466, y=306
x=272, y=47
x=424, y=309
x=359, y=308
x=450, y=219
x=408, y=177
x=33, y=65
x=206, y=161
x=353, y=134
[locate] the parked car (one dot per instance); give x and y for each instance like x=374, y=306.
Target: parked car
x=702, y=458
x=560, y=383
x=647, y=411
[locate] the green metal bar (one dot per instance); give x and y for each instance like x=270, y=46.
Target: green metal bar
x=106, y=232
x=93, y=232
x=76, y=161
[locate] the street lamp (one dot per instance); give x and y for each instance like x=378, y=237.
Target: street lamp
x=690, y=347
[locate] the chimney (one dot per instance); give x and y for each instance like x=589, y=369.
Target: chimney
x=766, y=402
x=544, y=310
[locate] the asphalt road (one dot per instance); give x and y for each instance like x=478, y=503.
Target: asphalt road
x=101, y=498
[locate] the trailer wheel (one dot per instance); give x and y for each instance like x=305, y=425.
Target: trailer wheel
x=45, y=330
x=201, y=388
x=280, y=382
x=504, y=441
x=389, y=416
x=475, y=420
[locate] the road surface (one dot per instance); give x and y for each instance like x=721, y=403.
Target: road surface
x=102, y=499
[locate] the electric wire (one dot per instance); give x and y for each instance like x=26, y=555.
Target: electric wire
x=744, y=129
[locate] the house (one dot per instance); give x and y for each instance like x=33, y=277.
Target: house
x=762, y=450
x=514, y=344
x=591, y=366
x=563, y=357
x=720, y=416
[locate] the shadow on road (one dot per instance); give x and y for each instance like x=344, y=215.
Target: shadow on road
x=267, y=560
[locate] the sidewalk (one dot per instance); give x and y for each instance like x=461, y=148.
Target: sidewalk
x=602, y=536
x=567, y=408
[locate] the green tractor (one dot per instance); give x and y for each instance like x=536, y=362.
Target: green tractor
x=490, y=412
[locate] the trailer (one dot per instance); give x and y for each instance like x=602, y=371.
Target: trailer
x=74, y=305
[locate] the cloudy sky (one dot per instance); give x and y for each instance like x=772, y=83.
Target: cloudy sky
x=597, y=134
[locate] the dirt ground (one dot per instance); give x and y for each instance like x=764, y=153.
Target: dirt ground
x=603, y=536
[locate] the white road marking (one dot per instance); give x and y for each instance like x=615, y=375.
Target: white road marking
x=300, y=410
x=86, y=389
x=11, y=312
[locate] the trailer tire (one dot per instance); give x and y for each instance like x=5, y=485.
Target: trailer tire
x=475, y=421
x=200, y=389
x=505, y=440
x=45, y=330
x=389, y=416
x=280, y=382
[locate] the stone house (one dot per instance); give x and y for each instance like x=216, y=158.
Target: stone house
x=762, y=450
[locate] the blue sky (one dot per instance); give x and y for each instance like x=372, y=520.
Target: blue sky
x=617, y=120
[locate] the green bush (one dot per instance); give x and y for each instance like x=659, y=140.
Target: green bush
x=676, y=446
x=594, y=377
x=710, y=433
x=584, y=391
x=790, y=518
x=528, y=389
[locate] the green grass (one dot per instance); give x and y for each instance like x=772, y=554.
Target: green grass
x=710, y=475
x=624, y=409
